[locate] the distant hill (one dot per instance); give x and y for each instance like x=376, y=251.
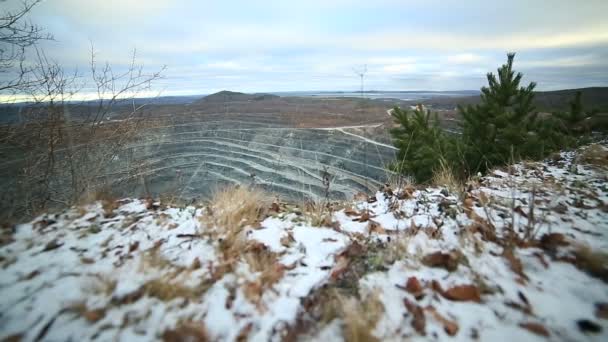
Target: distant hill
x=593, y=98
x=232, y=96
x=557, y=100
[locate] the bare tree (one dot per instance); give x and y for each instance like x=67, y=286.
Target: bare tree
x=17, y=33
x=72, y=146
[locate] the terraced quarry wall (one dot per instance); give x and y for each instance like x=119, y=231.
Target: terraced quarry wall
x=184, y=158
x=189, y=153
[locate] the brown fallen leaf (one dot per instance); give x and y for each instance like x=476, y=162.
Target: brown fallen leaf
x=535, y=328
x=463, y=293
x=418, y=319
x=275, y=207
x=355, y=249
x=341, y=265
x=449, y=261
x=134, y=246
x=196, y=264
x=287, y=240
x=550, y=242
x=413, y=285
x=351, y=212
x=365, y=216
x=468, y=204
x=93, y=316
x=450, y=327
x=435, y=286
x=541, y=259
x=52, y=245
x=514, y=263
x=31, y=275
x=375, y=227
x=190, y=331
x=520, y=211
x=87, y=261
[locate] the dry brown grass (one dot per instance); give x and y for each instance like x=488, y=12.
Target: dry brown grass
x=235, y=207
x=166, y=288
x=186, y=331
x=443, y=176
x=359, y=316
x=594, y=154
x=104, y=195
x=317, y=214
x=593, y=262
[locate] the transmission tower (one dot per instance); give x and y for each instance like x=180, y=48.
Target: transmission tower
x=361, y=73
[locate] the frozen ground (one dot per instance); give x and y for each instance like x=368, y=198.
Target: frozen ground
x=519, y=256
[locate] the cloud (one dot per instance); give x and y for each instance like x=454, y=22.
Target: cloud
x=315, y=44
x=464, y=58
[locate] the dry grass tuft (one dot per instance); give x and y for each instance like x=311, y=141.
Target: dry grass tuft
x=359, y=316
x=593, y=262
x=165, y=289
x=444, y=177
x=186, y=331
x=103, y=195
x=318, y=214
x=238, y=206
x=594, y=154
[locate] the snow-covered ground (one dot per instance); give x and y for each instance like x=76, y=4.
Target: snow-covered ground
x=519, y=256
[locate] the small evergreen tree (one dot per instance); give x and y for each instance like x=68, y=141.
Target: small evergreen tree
x=576, y=122
x=504, y=125
x=420, y=141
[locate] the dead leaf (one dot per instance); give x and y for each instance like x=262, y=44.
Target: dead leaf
x=355, y=249
x=414, y=287
x=31, y=275
x=375, y=227
x=449, y=261
x=372, y=199
x=134, y=246
x=450, y=327
x=541, y=258
x=364, y=217
x=435, y=286
x=551, y=241
x=52, y=245
x=418, y=319
x=93, y=316
x=196, y=264
x=87, y=261
x=535, y=328
x=520, y=211
x=190, y=331
x=341, y=265
x=351, y=212
x=514, y=263
x=287, y=240
x=244, y=332
x=463, y=293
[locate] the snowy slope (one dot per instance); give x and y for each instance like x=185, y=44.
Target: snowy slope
x=518, y=256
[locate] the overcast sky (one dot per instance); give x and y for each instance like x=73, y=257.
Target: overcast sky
x=286, y=45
